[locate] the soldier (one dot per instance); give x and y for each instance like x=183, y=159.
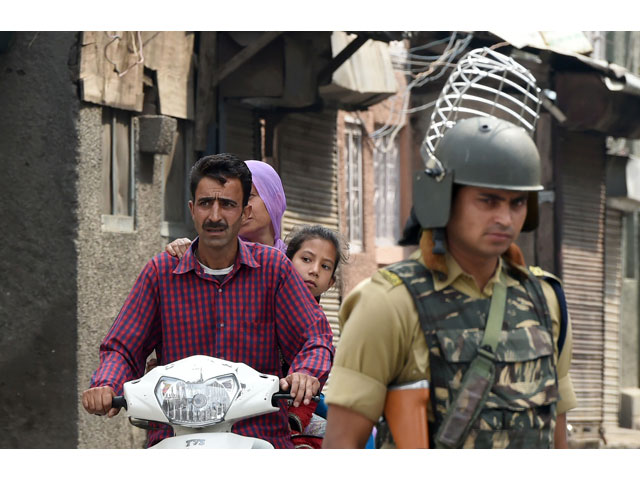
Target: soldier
x=463, y=312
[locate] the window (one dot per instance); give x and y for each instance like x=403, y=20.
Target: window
x=353, y=166
x=118, y=188
x=177, y=168
x=386, y=164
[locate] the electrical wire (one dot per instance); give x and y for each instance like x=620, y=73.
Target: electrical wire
x=384, y=136
x=387, y=128
x=421, y=61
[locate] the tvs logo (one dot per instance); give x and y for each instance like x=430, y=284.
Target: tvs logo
x=197, y=442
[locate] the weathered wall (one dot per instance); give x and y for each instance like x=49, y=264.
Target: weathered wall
x=38, y=105
x=108, y=265
x=630, y=338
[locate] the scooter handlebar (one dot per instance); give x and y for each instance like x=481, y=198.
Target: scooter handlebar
x=119, y=402
x=287, y=396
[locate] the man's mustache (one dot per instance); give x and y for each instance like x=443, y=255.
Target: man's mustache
x=501, y=230
x=214, y=225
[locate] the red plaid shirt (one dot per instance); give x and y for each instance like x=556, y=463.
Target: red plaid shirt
x=178, y=310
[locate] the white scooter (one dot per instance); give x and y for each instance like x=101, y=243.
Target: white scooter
x=201, y=398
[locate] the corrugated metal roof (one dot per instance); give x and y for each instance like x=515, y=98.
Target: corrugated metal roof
x=571, y=47
x=569, y=42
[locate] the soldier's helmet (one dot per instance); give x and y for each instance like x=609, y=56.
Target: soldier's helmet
x=481, y=152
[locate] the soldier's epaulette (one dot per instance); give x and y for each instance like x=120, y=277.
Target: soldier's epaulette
x=538, y=272
x=390, y=277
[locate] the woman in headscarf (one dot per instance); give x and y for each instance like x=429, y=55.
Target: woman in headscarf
x=268, y=204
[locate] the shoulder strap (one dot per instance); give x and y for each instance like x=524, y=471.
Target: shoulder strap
x=496, y=314
x=556, y=284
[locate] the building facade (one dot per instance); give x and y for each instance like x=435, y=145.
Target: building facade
x=99, y=131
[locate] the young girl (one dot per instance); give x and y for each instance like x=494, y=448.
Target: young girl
x=315, y=252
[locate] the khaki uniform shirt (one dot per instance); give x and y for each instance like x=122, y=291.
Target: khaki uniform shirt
x=383, y=344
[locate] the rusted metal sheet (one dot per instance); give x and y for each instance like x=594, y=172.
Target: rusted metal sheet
x=590, y=101
x=581, y=157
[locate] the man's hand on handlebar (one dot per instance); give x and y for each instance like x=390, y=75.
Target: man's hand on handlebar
x=301, y=386
x=97, y=400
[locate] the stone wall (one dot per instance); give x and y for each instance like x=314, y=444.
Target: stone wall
x=38, y=289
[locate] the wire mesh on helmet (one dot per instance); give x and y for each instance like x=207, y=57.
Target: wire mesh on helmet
x=484, y=83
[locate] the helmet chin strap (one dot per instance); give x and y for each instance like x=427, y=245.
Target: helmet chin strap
x=438, y=241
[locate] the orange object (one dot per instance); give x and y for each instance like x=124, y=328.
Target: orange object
x=406, y=412
x=439, y=264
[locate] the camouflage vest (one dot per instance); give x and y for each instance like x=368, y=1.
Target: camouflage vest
x=520, y=411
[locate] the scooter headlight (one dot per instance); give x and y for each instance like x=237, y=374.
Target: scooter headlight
x=196, y=404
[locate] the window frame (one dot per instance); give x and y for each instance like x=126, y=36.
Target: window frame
x=387, y=193
x=354, y=171
x=114, y=218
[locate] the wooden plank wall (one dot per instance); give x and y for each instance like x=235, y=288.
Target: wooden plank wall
x=112, y=70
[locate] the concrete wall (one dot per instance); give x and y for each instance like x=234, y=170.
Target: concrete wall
x=108, y=265
x=38, y=107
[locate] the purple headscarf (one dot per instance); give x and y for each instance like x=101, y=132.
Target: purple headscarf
x=270, y=190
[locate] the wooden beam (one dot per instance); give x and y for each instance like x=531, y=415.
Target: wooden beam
x=325, y=74
x=206, y=103
x=241, y=57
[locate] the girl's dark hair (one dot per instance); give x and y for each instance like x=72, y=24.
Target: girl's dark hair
x=308, y=232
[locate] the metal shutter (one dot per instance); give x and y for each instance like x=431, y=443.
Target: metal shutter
x=612, y=314
x=239, y=131
x=583, y=197
x=308, y=165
